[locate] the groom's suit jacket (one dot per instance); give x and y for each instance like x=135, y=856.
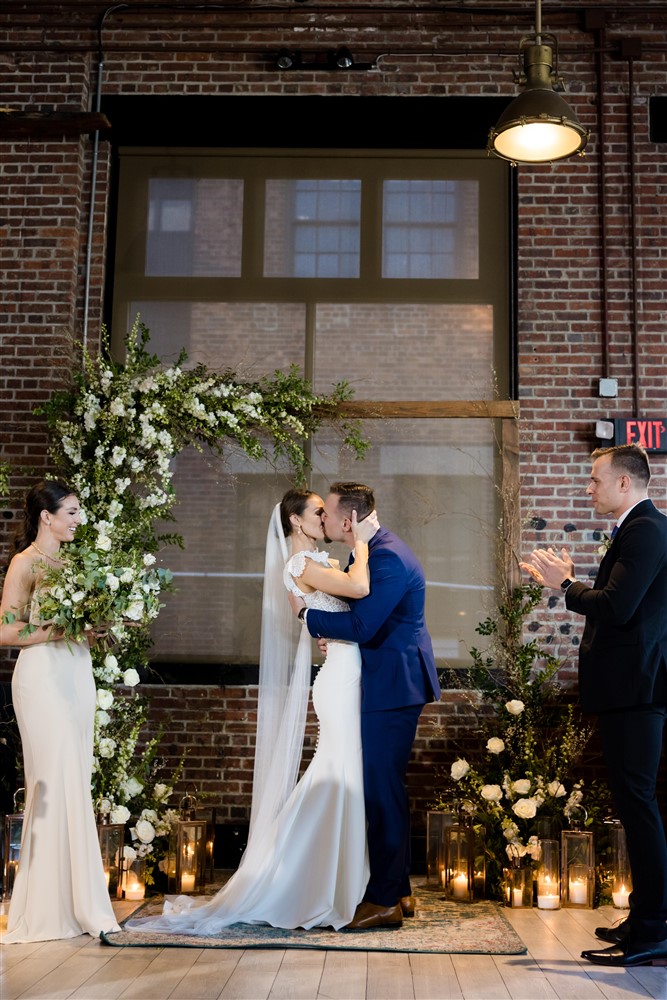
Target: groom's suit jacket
x=623, y=654
x=398, y=668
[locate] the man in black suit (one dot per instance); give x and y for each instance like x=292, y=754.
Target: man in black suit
x=623, y=678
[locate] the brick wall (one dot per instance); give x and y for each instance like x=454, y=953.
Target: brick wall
x=590, y=285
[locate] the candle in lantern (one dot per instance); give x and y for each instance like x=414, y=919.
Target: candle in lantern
x=579, y=892
x=460, y=886
x=134, y=889
x=547, y=901
x=443, y=878
x=107, y=876
x=621, y=898
x=187, y=882
x=517, y=897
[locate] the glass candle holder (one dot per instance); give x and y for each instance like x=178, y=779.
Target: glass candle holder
x=577, y=886
x=134, y=879
x=621, y=878
x=548, y=876
x=519, y=885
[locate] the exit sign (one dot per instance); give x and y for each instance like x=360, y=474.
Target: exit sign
x=649, y=434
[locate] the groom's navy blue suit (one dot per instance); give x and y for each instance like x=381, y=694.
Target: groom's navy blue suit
x=398, y=677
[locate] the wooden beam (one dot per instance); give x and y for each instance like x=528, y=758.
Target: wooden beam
x=47, y=125
x=417, y=409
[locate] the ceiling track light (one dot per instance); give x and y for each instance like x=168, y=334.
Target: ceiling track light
x=340, y=60
x=538, y=126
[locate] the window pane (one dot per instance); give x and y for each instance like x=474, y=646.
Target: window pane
x=251, y=338
x=430, y=229
x=434, y=487
x=312, y=228
x=406, y=351
x=194, y=227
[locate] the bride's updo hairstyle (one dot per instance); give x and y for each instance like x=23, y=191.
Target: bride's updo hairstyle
x=294, y=502
x=354, y=496
x=46, y=495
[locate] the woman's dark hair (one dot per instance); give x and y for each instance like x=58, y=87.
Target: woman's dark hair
x=294, y=502
x=45, y=495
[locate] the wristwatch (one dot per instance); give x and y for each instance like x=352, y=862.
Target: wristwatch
x=302, y=615
x=565, y=584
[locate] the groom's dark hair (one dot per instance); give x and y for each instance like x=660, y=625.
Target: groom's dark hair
x=354, y=496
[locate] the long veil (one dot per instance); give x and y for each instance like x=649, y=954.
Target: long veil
x=284, y=682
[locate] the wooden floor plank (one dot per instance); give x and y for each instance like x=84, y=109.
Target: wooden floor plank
x=162, y=975
x=344, y=976
x=524, y=978
x=299, y=975
x=124, y=966
x=50, y=955
x=254, y=976
x=389, y=976
x=479, y=978
x=434, y=978
x=209, y=975
x=62, y=981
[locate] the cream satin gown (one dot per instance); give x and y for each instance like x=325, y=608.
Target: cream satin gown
x=60, y=890
x=316, y=870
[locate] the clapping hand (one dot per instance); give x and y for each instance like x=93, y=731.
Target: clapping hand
x=547, y=568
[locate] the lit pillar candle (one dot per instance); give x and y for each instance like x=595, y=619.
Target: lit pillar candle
x=460, y=886
x=187, y=882
x=621, y=898
x=579, y=893
x=517, y=897
x=134, y=888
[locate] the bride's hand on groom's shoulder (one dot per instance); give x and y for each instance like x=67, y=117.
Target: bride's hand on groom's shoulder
x=364, y=530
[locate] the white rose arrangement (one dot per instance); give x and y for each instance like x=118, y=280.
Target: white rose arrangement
x=522, y=777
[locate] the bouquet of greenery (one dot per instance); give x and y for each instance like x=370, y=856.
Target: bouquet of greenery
x=93, y=590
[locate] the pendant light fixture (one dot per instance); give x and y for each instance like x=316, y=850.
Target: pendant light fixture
x=538, y=126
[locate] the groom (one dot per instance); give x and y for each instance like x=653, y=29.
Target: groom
x=398, y=677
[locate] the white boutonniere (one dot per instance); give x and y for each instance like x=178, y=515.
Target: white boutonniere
x=604, y=545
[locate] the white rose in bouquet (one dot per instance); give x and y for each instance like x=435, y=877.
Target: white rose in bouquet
x=106, y=747
x=120, y=814
x=555, y=789
x=522, y=786
x=104, y=698
x=515, y=707
x=492, y=793
x=131, y=677
x=162, y=791
x=460, y=767
x=525, y=808
x=149, y=814
x=143, y=831
x=495, y=745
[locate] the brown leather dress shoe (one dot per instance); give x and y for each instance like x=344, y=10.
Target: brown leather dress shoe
x=370, y=915
x=407, y=905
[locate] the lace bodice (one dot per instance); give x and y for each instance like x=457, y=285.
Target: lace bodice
x=318, y=600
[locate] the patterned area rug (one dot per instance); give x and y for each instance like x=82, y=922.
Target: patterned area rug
x=438, y=926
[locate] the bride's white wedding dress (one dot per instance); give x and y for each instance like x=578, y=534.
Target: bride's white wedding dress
x=60, y=890
x=315, y=869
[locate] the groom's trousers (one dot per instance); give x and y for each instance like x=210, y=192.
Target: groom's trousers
x=387, y=739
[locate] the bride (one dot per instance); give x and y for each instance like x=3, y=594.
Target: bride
x=306, y=862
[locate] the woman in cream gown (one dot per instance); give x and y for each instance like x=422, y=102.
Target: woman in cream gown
x=306, y=861
x=60, y=889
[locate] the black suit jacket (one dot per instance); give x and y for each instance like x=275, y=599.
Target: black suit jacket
x=623, y=654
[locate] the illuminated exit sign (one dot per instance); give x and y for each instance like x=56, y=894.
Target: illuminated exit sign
x=650, y=434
